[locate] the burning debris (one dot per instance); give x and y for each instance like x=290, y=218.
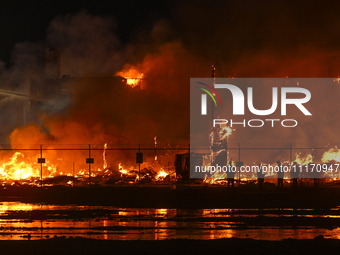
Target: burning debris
x=90, y=105
x=332, y=154
x=131, y=76
x=25, y=169
x=303, y=160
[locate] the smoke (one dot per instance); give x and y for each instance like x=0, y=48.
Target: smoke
x=103, y=109
x=262, y=39
x=89, y=44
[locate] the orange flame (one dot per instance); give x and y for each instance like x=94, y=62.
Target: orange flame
x=122, y=170
x=133, y=77
x=161, y=175
x=303, y=160
x=330, y=155
x=18, y=169
x=104, y=157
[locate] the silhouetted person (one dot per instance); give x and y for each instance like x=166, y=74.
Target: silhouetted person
x=260, y=177
x=295, y=175
x=316, y=176
x=280, y=175
x=230, y=174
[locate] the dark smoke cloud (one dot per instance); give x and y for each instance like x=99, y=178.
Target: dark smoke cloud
x=89, y=44
x=101, y=111
x=244, y=39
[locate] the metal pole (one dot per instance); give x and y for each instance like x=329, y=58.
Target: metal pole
x=189, y=180
x=155, y=148
x=169, y=168
x=41, y=165
x=89, y=164
x=290, y=153
x=239, y=168
x=139, y=166
x=73, y=176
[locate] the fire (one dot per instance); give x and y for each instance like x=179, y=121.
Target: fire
x=133, y=76
x=161, y=175
x=17, y=169
x=104, y=157
x=303, y=161
x=225, y=132
x=121, y=169
x=331, y=154
x=155, y=139
x=21, y=167
x=133, y=82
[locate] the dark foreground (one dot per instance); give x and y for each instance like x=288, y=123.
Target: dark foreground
x=178, y=196
x=319, y=245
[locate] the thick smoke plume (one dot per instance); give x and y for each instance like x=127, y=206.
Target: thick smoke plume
x=264, y=39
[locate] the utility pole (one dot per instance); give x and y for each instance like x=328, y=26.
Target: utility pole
x=239, y=168
x=89, y=161
x=41, y=165
x=41, y=161
x=290, y=153
x=90, y=164
x=139, y=165
x=73, y=176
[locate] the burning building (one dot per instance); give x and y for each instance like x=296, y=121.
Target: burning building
x=62, y=113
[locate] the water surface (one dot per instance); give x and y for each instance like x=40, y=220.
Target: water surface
x=38, y=221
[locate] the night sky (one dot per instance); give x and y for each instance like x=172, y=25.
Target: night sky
x=29, y=20
x=216, y=29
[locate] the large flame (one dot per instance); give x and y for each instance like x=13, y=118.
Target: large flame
x=104, y=157
x=20, y=168
x=133, y=76
x=121, y=169
x=303, y=160
x=161, y=175
x=332, y=154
